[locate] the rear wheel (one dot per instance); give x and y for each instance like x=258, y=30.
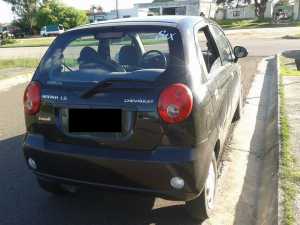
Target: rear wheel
x=56, y=188
x=201, y=207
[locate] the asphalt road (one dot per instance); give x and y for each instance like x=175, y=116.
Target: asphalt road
x=22, y=202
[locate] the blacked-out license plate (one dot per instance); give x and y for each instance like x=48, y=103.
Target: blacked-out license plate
x=95, y=120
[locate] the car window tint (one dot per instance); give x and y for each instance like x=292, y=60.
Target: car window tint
x=208, y=49
x=154, y=42
x=116, y=45
x=52, y=28
x=72, y=55
x=92, y=55
x=224, y=46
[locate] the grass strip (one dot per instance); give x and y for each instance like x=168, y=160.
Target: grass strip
x=289, y=176
x=29, y=42
x=252, y=23
x=22, y=62
x=46, y=41
x=243, y=24
x=285, y=70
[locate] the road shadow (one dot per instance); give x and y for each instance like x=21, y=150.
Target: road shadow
x=248, y=69
x=23, y=202
x=258, y=201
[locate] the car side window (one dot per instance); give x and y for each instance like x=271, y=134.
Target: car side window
x=208, y=49
x=224, y=46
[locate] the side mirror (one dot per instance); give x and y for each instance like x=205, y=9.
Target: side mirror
x=240, y=52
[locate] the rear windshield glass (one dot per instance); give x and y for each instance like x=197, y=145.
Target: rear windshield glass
x=91, y=54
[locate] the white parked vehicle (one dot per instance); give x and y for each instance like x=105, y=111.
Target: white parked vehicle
x=52, y=30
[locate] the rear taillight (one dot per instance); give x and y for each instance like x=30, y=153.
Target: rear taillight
x=175, y=103
x=32, y=98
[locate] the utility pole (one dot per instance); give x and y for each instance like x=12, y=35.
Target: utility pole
x=297, y=10
x=117, y=8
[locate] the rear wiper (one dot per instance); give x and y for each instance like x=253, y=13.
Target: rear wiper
x=102, y=85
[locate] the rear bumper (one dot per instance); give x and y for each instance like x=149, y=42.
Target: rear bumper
x=141, y=171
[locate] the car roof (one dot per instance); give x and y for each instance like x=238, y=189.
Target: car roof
x=176, y=21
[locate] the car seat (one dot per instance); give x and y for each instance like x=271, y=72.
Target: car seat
x=129, y=57
x=88, y=56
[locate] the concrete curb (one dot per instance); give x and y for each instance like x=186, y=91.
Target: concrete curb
x=280, y=197
x=8, y=83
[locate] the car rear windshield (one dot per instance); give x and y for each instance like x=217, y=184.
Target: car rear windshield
x=92, y=54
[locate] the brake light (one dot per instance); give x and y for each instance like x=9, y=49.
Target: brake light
x=175, y=103
x=32, y=98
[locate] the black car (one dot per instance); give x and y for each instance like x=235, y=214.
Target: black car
x=135, y=104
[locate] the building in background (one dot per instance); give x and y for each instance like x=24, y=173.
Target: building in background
x=96, y=14
x=240, y=12
x=126, y=13
x=180, y=7
x=237, y=10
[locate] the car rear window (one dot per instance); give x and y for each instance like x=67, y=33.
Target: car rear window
x=89, y=55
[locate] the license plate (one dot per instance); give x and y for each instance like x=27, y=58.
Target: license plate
x=95, y=120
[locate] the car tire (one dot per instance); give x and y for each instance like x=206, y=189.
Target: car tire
x=201, y=207
x=53, y=187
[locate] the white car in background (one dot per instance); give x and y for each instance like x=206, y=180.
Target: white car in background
x=52, y=30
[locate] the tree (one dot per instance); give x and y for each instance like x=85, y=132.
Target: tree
x=25, y=10
x=53, y=12
x=260, y=5
x=260, y=8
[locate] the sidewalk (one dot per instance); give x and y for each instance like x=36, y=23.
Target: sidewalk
x=292, y=101
x=14, y=76
x=290, y=133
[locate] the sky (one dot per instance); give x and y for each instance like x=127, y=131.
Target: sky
x=7, y=16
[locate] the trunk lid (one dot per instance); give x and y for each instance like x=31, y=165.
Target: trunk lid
x=135, y=98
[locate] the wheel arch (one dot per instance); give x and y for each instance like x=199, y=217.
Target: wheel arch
x=217, y=149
